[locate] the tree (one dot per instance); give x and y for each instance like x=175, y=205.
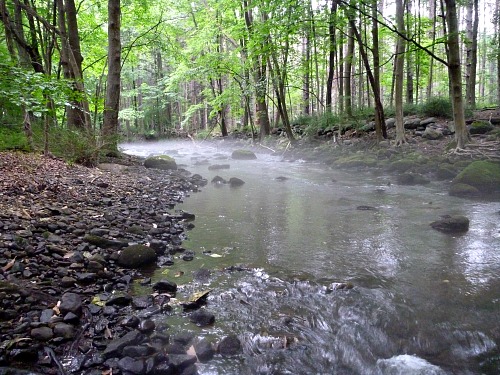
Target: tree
x=455, y=73
x=472, y=25
x=399, y=73
x=112, y=103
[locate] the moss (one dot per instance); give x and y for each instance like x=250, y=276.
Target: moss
x=483, y=175
x=103, y=242
x=356, y=161
x=463, y=190
x=163, y=162
x=403, y=165
x=480, y=127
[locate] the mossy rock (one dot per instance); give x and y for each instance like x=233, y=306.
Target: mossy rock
x=403, y=165
x=480, y=127
x=163, y=162
x=136, y=256
x=356, y=161
x=243, y=155
x=104, y=243
x=483, y=175
x=463, y=190
x=445, y=172
x=412, y=179
x=451, y=224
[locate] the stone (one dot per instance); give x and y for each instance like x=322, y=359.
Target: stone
x=131, y=365
x=165, y=286
x=483, y=175
x=235, y=182
x=64, y=330
x=218, y=180
x=71, y=302
x=412, y=179
x=104, y=242
x=480, y=127
x=135, y=351
x=432, y=134
x=463, y=190
x=116, y=346
x=243, y=155
x=229, y=346
x=451, y=224
x=146, y=326
x=163, y=162
x=119, y=299
x=204, y=350
x=67, y=281
x=136, y=256
x=130, y=321
x=42, y=333
x=411, y=123
x=216, y=167
x=46, y=315
x=202, y=318
x=182, y=361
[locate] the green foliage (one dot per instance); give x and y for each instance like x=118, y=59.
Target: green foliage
x=437, y=107
x=13, y=138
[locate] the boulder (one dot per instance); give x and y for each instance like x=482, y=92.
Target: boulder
x=230, y=345
x=451, y=224
x=243, y=155
x=480, y=127
x=42, y=333
x=165, y=286
x=463, y=190
x=235, y=182
x=411, y=123
x=204, y=350
x=163, y=162
x=202, y=318
x=116, y=346
x=483, y=175
x=412, y=179
x=71, y=302
x=216, y=167
x=432, y=134
x=136, y=256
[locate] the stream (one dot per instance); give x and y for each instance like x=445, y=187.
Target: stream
x=278, y=247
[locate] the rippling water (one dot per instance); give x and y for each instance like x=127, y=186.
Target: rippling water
x=423, y=302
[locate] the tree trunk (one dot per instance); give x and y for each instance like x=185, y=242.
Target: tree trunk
x=399, y=73
x=380, y=128
x=331, y=56
x=455, y=73
x=472, y=25
x=348, y=71
x=432, y=16
x=112, y=103
x=409, y=62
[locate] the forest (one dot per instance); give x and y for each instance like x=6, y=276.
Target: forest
x=81, y=76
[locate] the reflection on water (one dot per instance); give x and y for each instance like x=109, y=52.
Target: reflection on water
x=422, y=299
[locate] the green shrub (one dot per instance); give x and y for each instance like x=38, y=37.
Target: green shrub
x=13, y=138
x=437, y=107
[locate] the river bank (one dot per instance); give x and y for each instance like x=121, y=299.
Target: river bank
x=64, y=289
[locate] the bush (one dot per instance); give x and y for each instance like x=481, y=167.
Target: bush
x=13, y=138
x=437, y=107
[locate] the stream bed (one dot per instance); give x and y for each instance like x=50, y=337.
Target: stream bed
x=322, y=271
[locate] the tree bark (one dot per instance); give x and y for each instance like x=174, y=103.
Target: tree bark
x=112, y=103
x=348, y=71
x=331, y=56
x=399, y=73
x=455, y=73
x=472, y=25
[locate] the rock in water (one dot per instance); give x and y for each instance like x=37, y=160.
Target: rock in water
x=234, y=182
x=451, y=224
x=162, y=162
x=136, y=256
x=230, y=345
x=243, y=155
x=407, y=365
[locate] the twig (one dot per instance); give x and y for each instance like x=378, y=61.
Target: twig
x=269, y=148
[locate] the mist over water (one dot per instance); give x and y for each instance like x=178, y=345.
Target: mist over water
x=423, y=302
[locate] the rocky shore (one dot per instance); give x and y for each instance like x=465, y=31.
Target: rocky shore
x=71, y=240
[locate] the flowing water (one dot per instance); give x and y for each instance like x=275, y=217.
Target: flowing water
x=422, y=302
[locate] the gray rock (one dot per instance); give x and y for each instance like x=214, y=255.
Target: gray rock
x=202, y=318
x=42, y=333
x=234, y=182
x=131, y=365
x=216, y=167
x=71, y=302
x=182, y=361
x=46, y=315
x=243, y=155
x=204, y=350
x=230, y=345
x=411, y=123
x=119, y=299
x=451, y=224
x=162, y=162
x=165, y=286
x=432, y=134
x=136, y=256
x=135, y=351
x=390, y=123
x=64, y=330
x=428, y=121
x=116, y=346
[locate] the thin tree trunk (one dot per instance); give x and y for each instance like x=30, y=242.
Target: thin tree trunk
x=455, y=73
x=472, y=25
x=331, y=56
x=348, y=71
x=399, y=73
x=432, y=15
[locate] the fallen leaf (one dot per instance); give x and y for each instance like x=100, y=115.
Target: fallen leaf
x=179, y=273
x=107, y=372
x=213, y=255
x=9, y=265
x=56, y=308
x=165, y=271
x=97, y=301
